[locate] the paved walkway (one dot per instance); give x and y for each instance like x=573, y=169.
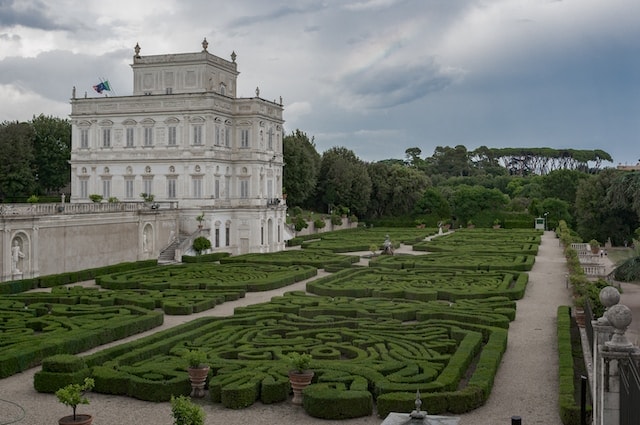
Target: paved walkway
x=526, y=383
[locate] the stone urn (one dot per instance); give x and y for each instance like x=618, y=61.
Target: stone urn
x=299, y=381
x=198, y=377
x=79, y=420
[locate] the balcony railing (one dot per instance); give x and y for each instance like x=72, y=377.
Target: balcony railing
x=16, y=210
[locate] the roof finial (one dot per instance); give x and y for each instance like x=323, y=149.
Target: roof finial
x=257, y=91
x=233, y=56
x=137, y=50
x=205, y=44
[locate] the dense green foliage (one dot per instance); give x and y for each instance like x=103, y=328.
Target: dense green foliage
x=34, y=157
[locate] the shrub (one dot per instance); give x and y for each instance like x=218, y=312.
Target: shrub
x=185, y=412
x=319, y=223
x=95, y=198
x=201, y=244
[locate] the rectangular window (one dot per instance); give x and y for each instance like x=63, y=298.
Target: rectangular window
x=84, y=138
x=106, y=137
x=106, y=188
x=270, y=142
x=130, y=137
x=148, y=137
x=128, y=188
x=227, y=187
x=269, y=188
x=171, y=187
x=197, y=135
x=216, y=190
x=148, y=185
x=217, y=238
x=244, y=189
x=227, y=137
x=172, y=136
x=244, y=138
x=197, y=187
x=84, y=188
x=227, y=236
x=217, y=131
x=262, y=235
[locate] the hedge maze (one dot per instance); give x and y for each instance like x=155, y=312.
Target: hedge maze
x=34, y=325
x=421, y=284
x=474, y=241
x=361, y=239
x=363, y=350
x=321, y=259
x=435, y=322
x=31, y=332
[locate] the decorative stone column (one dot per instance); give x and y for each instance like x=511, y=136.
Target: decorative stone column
x=615, y=352
x=602, y=331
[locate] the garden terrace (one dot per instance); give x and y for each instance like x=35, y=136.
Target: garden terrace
x=515, y=236
x=316, y=258
x=363, y=350
x=476, y=261
x=472, y=246
x=31, y=332
x=362, y=239
x=171, y=301
x=213, y=277
x=421, y=284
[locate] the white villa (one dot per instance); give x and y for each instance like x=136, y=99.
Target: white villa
x=184, y=137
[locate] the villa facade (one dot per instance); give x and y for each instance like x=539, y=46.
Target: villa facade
x=184, y=137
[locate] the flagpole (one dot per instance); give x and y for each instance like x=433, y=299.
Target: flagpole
x=110, y=87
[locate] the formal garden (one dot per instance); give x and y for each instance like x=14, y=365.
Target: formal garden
x=435, y=321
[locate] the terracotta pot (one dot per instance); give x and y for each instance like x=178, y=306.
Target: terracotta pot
x=299, y=381
x=198, y=377
x=580, y=318
x=80, y=420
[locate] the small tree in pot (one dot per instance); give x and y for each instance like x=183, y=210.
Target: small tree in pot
x=198, y=371
x=72, y=395
x=300, y=375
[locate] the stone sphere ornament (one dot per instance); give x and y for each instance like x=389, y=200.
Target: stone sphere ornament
x=609, y=296
x=619, y=317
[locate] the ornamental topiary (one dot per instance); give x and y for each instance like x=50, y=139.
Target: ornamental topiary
x=201, y=244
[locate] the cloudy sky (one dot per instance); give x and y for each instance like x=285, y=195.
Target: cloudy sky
x=375, y=76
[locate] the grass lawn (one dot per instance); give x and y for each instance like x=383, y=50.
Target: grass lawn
x=619, y=255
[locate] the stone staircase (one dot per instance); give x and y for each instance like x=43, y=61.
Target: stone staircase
x=168, y=255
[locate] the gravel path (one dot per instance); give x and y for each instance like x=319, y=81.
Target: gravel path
x=526, y=384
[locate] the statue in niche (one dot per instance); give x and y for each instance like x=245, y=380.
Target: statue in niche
x=387, y=247
x=145, y=240
x=16, y=255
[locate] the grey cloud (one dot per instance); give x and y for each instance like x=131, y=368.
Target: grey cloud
x=274, y=14
x=10, y=37
x=53, y=74
x=32, y=14
x=391, y=86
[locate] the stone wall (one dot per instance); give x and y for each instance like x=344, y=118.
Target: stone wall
x=37, y=245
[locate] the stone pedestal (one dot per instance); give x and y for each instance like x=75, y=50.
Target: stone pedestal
x=405, y=419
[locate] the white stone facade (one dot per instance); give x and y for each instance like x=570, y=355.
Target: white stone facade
x=183, y=136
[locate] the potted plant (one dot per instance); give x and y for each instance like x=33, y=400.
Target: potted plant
x=200, y=219
x=72, y=395
x=185, y=412
x=496, y=223
x=95, y=198
x=147, y=197
x=201, y=244
x=198, y=371
x=595, y=246
x=470, y=225
x=300, y=375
